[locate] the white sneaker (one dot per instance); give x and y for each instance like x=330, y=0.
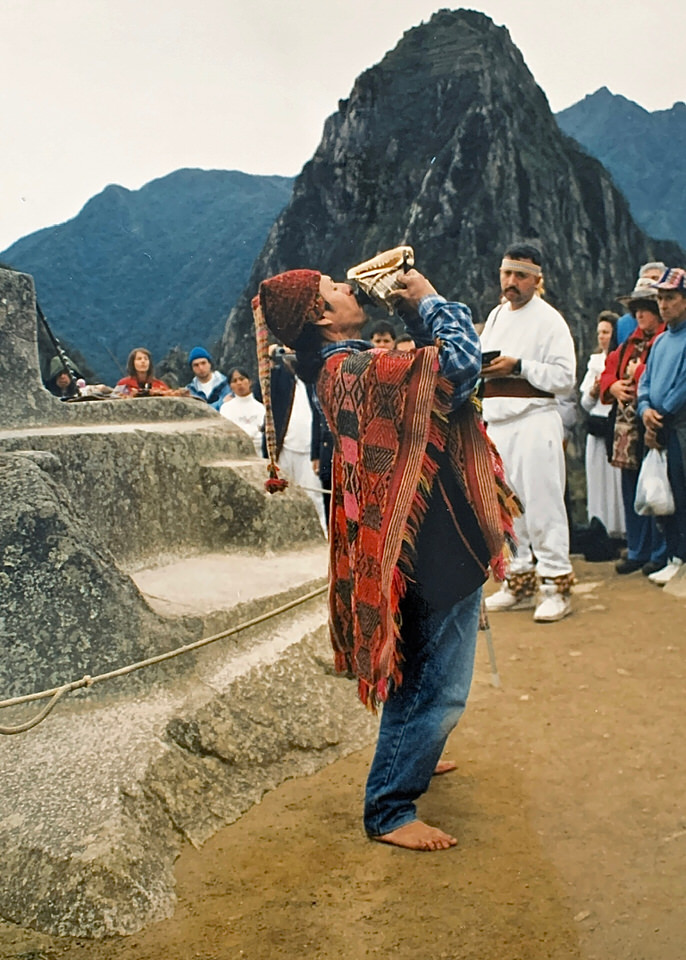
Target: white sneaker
x=661, y=577
x=552, y=604
x=505, y=599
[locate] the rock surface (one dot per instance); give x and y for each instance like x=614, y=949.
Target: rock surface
x=80, y=497
x=97, y=801
x=65, y=607
x=448, y=144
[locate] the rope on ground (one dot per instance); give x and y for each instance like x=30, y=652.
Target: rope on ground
x=56, y=693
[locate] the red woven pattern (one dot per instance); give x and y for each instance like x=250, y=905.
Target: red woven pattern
x=289, y=300
x=385, y=410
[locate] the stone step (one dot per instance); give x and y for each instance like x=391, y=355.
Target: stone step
x=96, y=801
x=220, y=587
x=245, y=516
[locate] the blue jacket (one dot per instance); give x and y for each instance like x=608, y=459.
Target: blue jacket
x=663, y=384
x=220, y=390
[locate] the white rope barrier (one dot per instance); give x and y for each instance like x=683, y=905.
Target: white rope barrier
x=56, y=693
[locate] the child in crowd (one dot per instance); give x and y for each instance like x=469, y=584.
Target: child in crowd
x=382, y=335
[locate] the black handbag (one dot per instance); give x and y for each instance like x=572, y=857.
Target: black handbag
x=598, y=426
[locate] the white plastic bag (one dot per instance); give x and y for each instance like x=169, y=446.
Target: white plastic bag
x=653, y=493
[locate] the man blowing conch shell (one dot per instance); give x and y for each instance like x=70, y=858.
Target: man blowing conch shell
x=419, y=512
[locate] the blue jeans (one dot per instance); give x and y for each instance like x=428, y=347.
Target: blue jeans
x=438, y=647
x=644, y=539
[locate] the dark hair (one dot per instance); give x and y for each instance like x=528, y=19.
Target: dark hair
x=524, y=251
x=130, y=368
x=381, y=328
x=308, y=353
x=404, y=338
x=241, y=372
x=639, y=304
x=609, y=316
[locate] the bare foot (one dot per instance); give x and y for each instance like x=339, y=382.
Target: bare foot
x=418, y=836
x=444, y=766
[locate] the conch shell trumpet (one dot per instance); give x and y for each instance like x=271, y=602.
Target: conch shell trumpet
x=379, y=276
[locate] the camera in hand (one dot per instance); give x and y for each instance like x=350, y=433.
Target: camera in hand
x=488, y=357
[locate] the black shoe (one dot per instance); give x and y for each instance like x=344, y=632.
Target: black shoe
x=628, y=566
x=652, y=567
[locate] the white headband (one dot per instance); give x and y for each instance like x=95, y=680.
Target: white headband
x=521, y=266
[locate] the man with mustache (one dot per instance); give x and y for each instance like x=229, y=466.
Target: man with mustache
x=535, y=366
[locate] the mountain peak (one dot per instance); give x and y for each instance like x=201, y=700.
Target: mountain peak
x=644, y=152
x=448, y=144
x=158, y=266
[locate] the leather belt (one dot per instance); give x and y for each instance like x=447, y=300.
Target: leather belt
x=513, y=387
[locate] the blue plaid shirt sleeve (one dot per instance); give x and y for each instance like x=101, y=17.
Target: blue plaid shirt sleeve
x=450, y=324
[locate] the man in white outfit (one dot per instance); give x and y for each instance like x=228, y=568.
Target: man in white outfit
x=535, y=366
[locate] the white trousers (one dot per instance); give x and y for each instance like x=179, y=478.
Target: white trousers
x=532, y=452
x=297, y=467
x=604, y=488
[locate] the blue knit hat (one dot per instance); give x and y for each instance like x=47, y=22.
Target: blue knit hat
x=198, y=353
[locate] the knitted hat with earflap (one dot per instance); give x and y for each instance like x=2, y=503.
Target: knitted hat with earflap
x=284, y=304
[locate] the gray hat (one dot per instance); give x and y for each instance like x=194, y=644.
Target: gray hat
x=644, y=290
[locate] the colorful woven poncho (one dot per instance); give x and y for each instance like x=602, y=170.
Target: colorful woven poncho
x=384, y=410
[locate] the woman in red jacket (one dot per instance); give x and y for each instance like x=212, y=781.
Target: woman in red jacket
x=618, y=385
x=140, y=381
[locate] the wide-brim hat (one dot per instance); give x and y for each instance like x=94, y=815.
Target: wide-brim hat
x=644, y=290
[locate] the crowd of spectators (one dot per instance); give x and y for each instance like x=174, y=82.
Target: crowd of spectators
x=633, y=394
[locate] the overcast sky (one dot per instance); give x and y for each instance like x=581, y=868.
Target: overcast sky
x=123, y=91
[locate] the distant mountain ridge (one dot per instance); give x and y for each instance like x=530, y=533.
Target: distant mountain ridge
x=645, y=153
x=449, y=145
x=154, y=267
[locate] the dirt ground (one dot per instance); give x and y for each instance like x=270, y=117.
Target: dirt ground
x=568, y=803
